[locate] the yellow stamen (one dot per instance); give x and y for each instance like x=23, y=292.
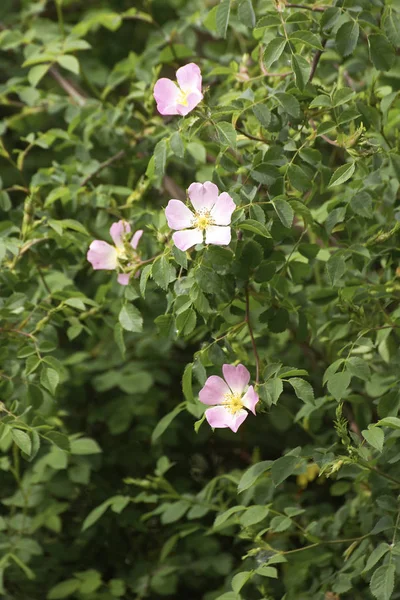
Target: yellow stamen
x=233, y=402
x=183, y=98
x=203, y=220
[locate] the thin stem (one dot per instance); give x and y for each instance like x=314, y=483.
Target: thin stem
x=60, y=17
x=322, y=542
x=313, y=8
x=252, y=137
x=381, y=473
x=253, y=342
x=102, y=166
x=315, y=61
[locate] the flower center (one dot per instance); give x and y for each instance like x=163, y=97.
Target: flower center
x=183, y=97
x=203, y=220
x=233, y=402
x=121, y=254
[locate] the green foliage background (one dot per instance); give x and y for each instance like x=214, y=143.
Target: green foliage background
x=107, y=489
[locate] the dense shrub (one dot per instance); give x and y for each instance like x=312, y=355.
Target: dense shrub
x=113, y=484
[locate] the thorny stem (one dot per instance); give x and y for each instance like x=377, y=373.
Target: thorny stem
x=379, y=472
x=253, y=342
x=252, y=137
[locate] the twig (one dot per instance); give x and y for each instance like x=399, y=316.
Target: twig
x=315, y=61
x=253, y=342
x=28, y=335
x=102, y=166
x=252, y=137
x=313, y=8
x=67, y=86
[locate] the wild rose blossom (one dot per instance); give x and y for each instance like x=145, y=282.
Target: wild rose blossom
x=173, y=99
x=119, y=257
x=210, y=220
x=229, y=397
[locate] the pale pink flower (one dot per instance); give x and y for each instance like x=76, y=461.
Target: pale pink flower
x=211, y=217
x=102, y=255
x=229, y=397
x=173, y=99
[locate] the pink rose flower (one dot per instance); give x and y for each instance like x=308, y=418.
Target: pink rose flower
x=211, y=218
x=102, y=255
x=179, y=99
x=229, y=396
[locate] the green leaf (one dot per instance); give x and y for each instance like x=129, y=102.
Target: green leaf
x=303, y=389
x=186, y=322
x=64, y=589
x=374, y=436
x=59, y=439
x=376, y=556
x=382, y=582
x=358, y=367
x=227, y=514
x=84, y=446
x=165, y=422
x=163, y=272
x=255, y=227
x=130, y=318
x=391, y=25
x=307, y=38
x=265, y=173
x=37, y=73
x=298, y=178
x=283, y=468
x=273, y=51
x=253, y=473
x=289, y=103
x=239, y=580
x=253, y=515
x=266, y=571
x=336, y=268
x=222, y=17
x=226, y=134
x=347, y=37
x=302, y=70
x=177, y=146
x=392, y=422
x=262, y=114
x=246, y=13
x=69, y=62
x=22, y=439
x=284, y=211
x=381, y=51
x=338, y=383
x=160, y=157
x=49, y=379
x=95, y=515
x=342, y=174
x=187, y=383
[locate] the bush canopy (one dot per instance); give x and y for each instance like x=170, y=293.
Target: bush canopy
x=199, y=299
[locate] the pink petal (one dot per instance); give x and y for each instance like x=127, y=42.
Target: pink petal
x=123, y=278
x=221, y=236
x=223, y=209
x=166, y=94
x=250, y=399
x=219, y=417
x=189, y=77
x=102, y=255
x=178, y=215
x=136, y=237
x=214, y=390
x=187, y=238
x=236, y=377
x=192, y=101
x=117, y=232
x=203, y=195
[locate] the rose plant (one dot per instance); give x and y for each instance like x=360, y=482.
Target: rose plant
x=243, y=158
